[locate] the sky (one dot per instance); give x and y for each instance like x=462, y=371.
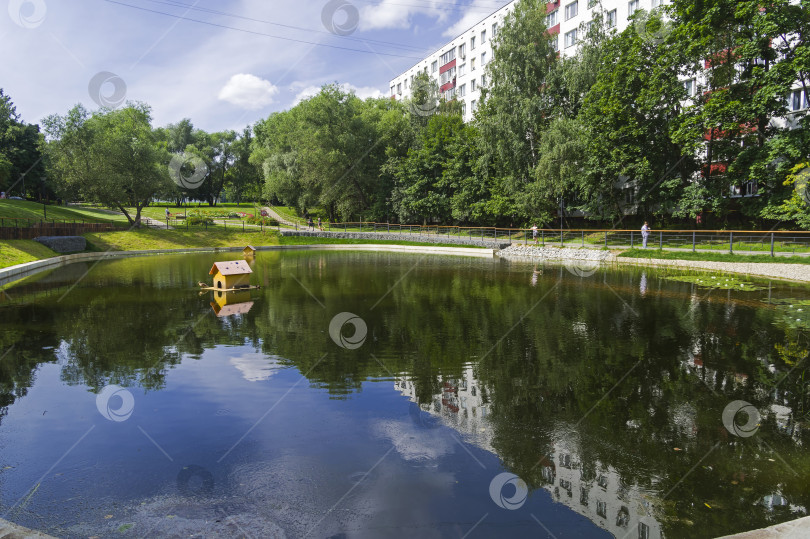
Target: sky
x=223, y=64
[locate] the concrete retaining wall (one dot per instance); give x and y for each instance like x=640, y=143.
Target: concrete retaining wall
x=421, y=238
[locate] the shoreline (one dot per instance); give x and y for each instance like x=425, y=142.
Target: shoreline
x=786, y=272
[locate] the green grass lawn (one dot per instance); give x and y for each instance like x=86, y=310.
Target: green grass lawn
x=712, y=257
x=13, y=252
x=23, y=209
x=136, y=240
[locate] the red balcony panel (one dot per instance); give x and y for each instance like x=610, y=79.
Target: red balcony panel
x=551, y=6
x=447, y=86
x=447, y=66
x=554, y=30
x=715, y=169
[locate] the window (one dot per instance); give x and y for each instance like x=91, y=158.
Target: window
x=583, y=496
x=463, y=109
x=483, y=58
x=483, y=36
x=571, y=38
x=448, y=76
x=602, y=481
x=643, y=531
x=472, y=43
x=462, y=90
x=472, y=104
x=462, y=69
x=434, y=67
x=551, y=18
x=691, y=87
x=632, y=6
x=462, y=50
x=555, y=44
x=494, y=28
x=601, y=509
x=472, y=64
x=629, y=195
x=612, y=16
x=571, y=10
x=399, y=88
x=623, y=517
x=449, y=56
x=483, y=81
x=406, y=84
x=656, y=3
x=472, y=85
x=795, y=101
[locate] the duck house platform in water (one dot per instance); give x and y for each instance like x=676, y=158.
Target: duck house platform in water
x=231, y=274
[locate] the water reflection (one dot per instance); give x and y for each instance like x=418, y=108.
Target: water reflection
x=604, y=389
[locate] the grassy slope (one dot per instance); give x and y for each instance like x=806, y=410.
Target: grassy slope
x=176, y=239
x=713, y=257
x=13, y=252
x=32, y=210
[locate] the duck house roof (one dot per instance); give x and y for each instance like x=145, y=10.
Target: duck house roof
x=232, y=267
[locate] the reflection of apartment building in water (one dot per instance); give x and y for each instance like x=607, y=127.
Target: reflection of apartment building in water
x=458, y=66
x=623, y=510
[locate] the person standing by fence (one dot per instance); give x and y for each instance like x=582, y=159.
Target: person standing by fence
x=645, y=233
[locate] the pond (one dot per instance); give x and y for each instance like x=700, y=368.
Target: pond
x=360, y=394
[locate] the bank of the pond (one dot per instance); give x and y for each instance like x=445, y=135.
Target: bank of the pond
x=9, y=530
x=20, y=271
x=790, y=272
x=777, y=270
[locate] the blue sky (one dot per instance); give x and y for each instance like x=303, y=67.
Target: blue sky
x=54, y=51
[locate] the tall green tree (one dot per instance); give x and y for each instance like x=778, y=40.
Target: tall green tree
x=111, y=157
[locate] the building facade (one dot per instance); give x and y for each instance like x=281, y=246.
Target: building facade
x=458, y=67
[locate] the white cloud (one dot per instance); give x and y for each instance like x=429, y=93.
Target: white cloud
x=248, y=91
x=255, y=367
x=477, y=10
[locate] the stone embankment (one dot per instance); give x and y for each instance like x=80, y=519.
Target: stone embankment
x=523, y=252
x=421, y=238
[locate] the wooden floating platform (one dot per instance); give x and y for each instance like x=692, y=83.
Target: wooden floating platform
x=229, y=289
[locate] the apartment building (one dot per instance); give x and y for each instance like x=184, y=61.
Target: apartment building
x=458, y=66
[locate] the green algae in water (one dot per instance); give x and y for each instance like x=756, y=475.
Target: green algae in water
x=714, y=281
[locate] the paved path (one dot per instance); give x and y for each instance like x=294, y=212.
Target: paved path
x=272, y=213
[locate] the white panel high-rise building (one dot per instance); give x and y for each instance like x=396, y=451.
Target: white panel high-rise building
x=458, y=66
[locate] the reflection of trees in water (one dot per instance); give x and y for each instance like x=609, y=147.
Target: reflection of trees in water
x=669, y=362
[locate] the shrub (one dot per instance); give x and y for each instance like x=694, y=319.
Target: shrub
x=197, y=219
x=266, y=221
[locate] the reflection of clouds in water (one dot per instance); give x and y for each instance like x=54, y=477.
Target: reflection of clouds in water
x=255, y=367
x=413, y=443
x=293, y=496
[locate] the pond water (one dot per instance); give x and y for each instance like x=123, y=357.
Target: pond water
x=378, y=394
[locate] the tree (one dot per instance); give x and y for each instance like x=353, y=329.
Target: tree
x=514, y=108
x=112, y=157
x=20, y=154
x=629, y=116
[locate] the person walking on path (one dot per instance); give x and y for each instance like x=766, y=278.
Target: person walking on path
x=168, y=215
x=645, y=233
x=320, y=227
x=534, y=233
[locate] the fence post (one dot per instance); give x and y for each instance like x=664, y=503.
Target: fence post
x=771, y=243
x=605, y=239
x=731, y=242
x=561, y=238
x=583, y=238
x=631, y=239
x=543, y=237
x=693, y=241
x=661, y=240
